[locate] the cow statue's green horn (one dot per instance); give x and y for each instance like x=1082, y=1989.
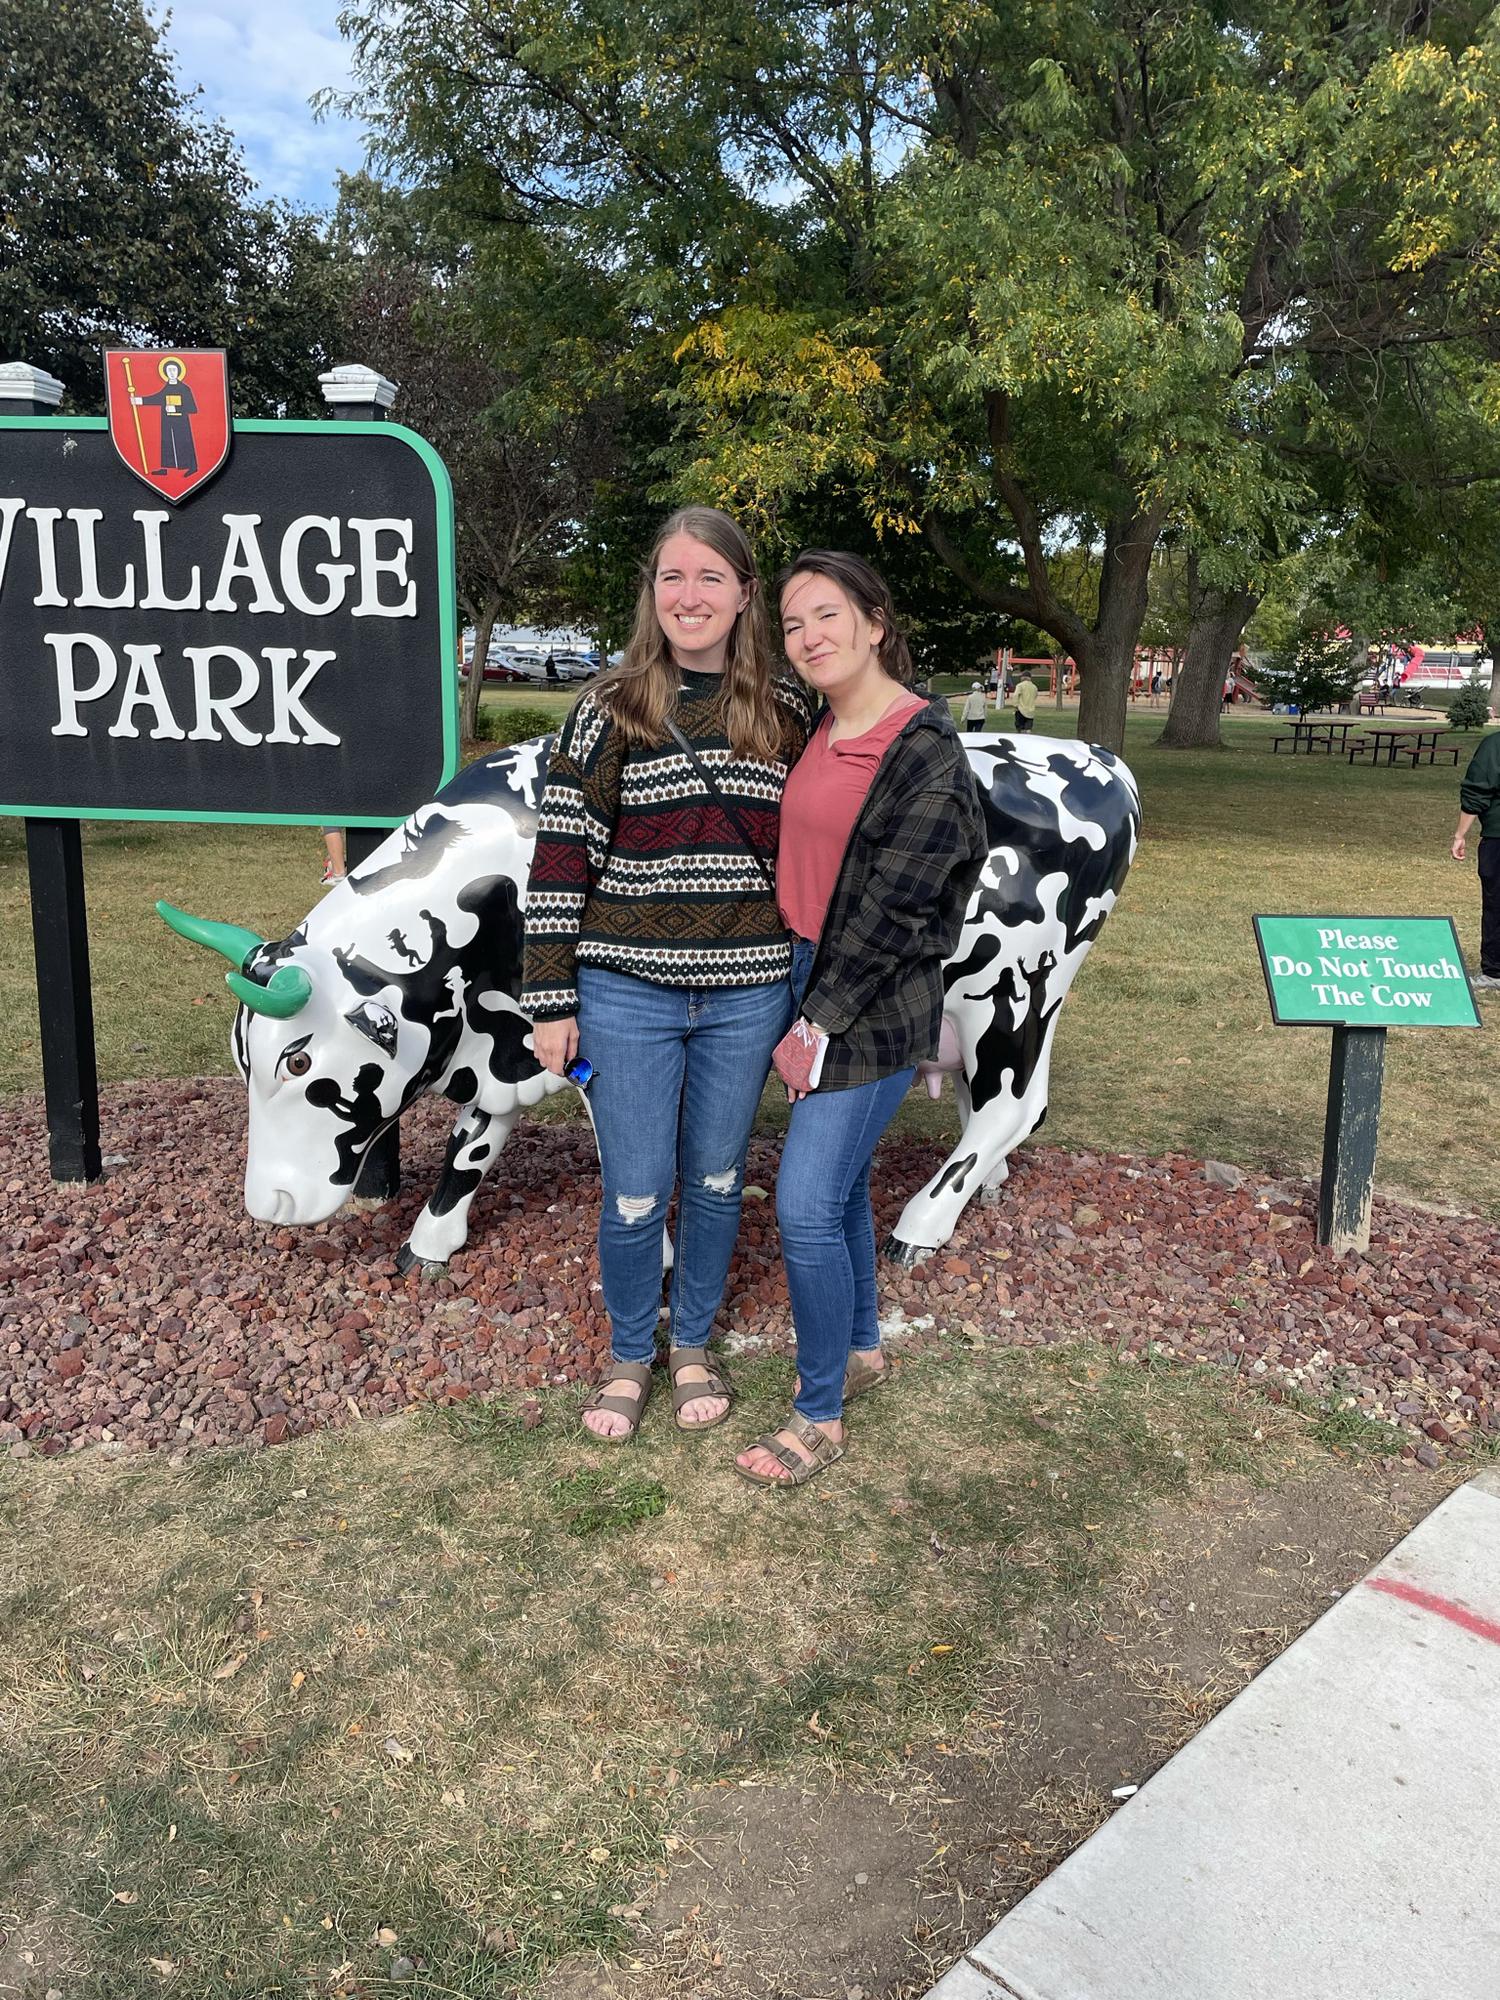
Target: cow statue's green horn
x=231, y=941
x=286, y=993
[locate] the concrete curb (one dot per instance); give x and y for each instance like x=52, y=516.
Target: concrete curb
x=1330, y=1835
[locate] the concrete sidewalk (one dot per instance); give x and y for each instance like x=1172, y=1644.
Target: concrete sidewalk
x=1333, y=1834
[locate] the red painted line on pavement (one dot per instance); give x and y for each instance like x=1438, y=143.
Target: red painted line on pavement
x=1441, y=1607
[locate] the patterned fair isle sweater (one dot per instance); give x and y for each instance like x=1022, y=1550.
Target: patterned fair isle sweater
x=637, y=870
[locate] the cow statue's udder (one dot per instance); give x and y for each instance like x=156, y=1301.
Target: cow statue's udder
x=404, y=981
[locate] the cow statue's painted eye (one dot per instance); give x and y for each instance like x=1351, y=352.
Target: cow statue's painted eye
x=298, y=1063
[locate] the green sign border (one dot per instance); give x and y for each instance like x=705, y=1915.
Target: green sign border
x=442, y=488
x=1279, y=1020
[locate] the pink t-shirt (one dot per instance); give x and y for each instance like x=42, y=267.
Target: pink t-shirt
x=828, y=785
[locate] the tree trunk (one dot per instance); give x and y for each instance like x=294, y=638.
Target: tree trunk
x=1104, y=652
x=484, y=625
x=1107, y=657
x=1218, y=617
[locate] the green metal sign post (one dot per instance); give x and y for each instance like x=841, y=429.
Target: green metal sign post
x=1360, y=976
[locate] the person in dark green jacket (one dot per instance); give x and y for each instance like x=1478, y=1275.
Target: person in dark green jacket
x=1479, y=801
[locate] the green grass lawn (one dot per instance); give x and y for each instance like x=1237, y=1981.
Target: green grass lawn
x=456, y=1684
x=1165, y=1043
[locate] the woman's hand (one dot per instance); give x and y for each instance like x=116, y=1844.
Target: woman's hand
x=555, y=1043
x=1459, y=849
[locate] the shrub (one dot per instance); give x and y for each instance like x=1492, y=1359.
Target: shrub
x=1317, y=670
x=499, y=723
x=1470, y=707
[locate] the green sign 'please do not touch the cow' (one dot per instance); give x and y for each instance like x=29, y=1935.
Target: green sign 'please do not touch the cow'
x=1360, y=976
x=1365, y=972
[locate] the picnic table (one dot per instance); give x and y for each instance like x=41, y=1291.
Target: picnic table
x=1310, y=736
x=1419, y=741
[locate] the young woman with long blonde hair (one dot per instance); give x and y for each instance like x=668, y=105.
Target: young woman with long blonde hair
x=654, y=948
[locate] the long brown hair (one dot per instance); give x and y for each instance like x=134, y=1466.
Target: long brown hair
x=641, y=691
x=865, y=588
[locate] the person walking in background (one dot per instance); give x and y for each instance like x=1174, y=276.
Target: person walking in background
x=654, y=948
x=975, y=706
x=883, y=839
x=1026, y=697
x=1479, y=802
x=335, y=852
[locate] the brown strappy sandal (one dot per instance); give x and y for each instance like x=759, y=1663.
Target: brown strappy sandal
x=632, y=1408
x=860, y=1378
x=715, y=1382
x=799, y=1469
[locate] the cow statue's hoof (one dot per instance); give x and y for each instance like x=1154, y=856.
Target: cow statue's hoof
x=407, y=1261
x=907, y=1255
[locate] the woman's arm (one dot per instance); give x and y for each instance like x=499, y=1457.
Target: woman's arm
x=575, y=822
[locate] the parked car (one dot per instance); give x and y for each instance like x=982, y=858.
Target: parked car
x=498, y=666
x=575, y=666
x=552, y=667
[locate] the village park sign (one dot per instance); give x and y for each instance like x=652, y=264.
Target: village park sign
x=210, y=620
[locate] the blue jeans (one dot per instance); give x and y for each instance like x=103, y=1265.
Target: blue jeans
x=678, y=1073
x=827, y=1228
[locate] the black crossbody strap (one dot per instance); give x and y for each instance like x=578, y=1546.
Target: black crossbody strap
x=714, y=793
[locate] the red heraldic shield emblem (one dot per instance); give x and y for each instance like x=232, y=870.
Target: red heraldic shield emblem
x=169, y=414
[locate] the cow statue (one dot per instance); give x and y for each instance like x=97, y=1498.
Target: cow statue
x=403, y=981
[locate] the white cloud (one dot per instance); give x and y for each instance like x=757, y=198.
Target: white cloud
x=258, y=67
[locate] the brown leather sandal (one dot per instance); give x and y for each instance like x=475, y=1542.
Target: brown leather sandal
x=632, y=1408
x=860, y=1378
x=799, y=1469
x=715, y=1382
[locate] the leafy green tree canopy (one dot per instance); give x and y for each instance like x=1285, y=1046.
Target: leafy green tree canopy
x=1020, y=279
x=126, y=218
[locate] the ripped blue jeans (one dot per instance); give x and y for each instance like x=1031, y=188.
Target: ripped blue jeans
x=679, y=1073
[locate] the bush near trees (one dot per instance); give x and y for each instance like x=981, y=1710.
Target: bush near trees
x=1316, y=670
x=507, y=723
x=1470, y=707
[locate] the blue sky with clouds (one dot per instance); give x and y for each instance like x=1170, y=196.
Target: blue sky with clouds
x=258, y=62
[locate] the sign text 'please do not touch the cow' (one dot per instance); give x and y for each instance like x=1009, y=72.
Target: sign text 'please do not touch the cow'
x=1365, y=972
x=279, y=645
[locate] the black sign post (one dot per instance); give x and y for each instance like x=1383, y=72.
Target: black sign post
x=1351, y=1137
x=280, y=647
x=59, y=920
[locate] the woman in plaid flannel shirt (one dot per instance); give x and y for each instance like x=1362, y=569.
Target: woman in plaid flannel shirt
x=882, y=841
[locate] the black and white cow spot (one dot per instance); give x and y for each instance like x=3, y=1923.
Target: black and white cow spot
x=512, y=778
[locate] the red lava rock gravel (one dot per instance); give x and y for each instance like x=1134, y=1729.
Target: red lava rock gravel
x=150, y=1310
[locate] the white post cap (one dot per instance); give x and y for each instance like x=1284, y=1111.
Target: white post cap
x=21, y=383
x=354, y=383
